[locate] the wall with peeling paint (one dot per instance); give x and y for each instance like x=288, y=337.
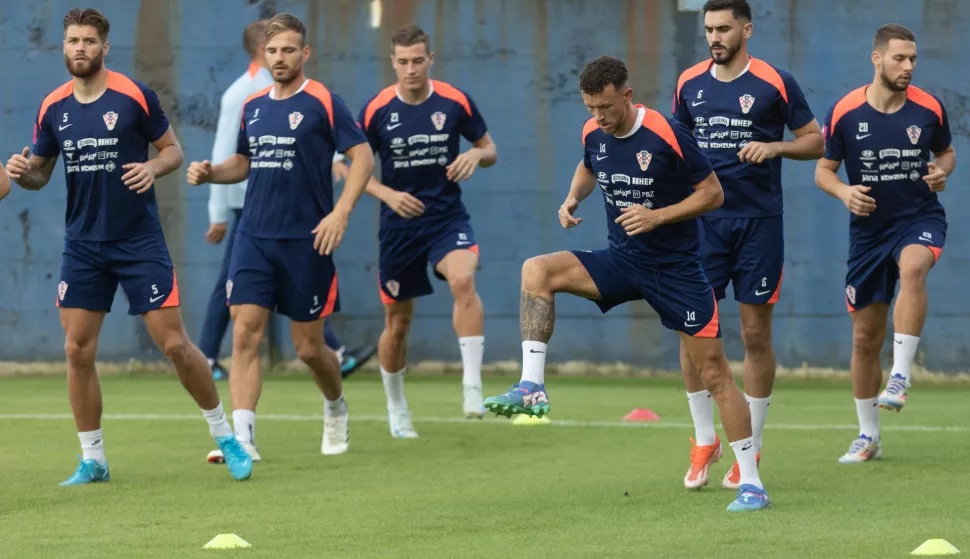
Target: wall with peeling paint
x=520, y=61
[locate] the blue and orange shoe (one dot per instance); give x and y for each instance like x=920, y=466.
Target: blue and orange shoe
x=894, y=396
x=239, y=461
x=525, y=397
x=88, y=471
x=750, y=498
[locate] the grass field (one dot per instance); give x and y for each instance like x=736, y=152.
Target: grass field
x=584, y=486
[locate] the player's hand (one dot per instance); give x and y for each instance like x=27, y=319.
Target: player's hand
x=936, y=178
x=140, y=177
x=330, y=232
x=216, y=232
x=856, y=200
x=566, y=211
x=340, y=171
x=404, y=204
x=638, y=219
x=757, y=152
x=199, y=172
x=18, y=165
x=463, y=167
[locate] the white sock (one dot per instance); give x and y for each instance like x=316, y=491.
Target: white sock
x=334, y=407
x=394, y=388
x=904, y=350
x=92, y=445
x=340, y=353
x=472, y=349
x=702, y=412
x=211, y=362
x=218, y=424
x=534, y=362
x=759, y=415
x=245, y=423
x=746, y=453
x=868, y=412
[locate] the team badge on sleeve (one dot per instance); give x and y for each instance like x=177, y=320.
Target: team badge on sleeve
x=643, y=158
x=295, y=119
x=913, y=132
x=110, y=119
x=438, y=119
x=746, y=101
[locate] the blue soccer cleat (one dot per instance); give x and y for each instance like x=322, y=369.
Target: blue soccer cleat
x=88, y=471
x=354, y=358
x=239, y=462
x=750, y=498
x=524, y=398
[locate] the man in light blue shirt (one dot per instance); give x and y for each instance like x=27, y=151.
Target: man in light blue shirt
x=226, y=202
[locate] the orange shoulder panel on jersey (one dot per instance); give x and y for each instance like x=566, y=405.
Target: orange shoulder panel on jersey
x=123, y=85
x=382, y=99
x=853, y=100
x=322, y=94
x=449, y=91
x=691, y=73
x=54, y=97
x=253, y=69
x=259, y=93
x=924, y=99
x=764, y=71
x=658, y=124
x=589, y=127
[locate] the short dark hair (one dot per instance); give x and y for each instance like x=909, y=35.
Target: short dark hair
x=602, y=72
x=410, y=35
x=285, y=22
x=88, y=17
x=740, y=9
x=889, y=32
x=253, y=36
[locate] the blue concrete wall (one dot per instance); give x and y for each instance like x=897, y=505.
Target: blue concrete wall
x=520, y=60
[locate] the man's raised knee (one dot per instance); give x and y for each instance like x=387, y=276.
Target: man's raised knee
x=462, y=285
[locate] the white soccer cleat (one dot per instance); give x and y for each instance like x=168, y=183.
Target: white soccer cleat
x=474, y=403
x=894, y=396
x=216, y=457
x=863, y=449
x=400, y=424
x=336, y=434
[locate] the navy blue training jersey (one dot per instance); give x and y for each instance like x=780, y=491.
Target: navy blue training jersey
x=889, y=153
x=655, y=165
x=754, y=107
x=97, y=140
x=416, y=143
x=290, y=144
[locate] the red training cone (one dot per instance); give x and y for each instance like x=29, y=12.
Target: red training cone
x=641, y=414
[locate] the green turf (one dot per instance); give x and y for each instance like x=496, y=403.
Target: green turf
x=477, y=488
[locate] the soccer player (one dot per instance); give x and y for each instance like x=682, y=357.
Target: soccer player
x=885, y=132
x=655, y=181
x=738, y=107
x=226, y=201
x=415, y=126
x=103, y=122
x=290, y=225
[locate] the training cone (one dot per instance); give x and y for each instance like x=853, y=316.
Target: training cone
x=226, y=541
x=936, y=546
x=524, y=419
x=641, y=414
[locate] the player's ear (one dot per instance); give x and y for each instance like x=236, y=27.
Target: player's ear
x=746, y=30
x=876, y=58
x=106, y=48
x=430, y=59
x=628, y=94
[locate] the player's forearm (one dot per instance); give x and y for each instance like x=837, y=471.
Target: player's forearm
x=232, y=170
x=946, y=161
x=701, y=201
x=489, y=155
x=377, y=190
x=168, y=159
x=34, y=179
x=583, y=183
x=4, y=184
x=359, y=176
x=830, y=183
x=808, y=147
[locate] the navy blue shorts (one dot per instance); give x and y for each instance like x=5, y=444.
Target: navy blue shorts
x=680, y=293
x=92, y=270
x=406, y=253
x=747, y=252
x=283, y=275
x=873, y=265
